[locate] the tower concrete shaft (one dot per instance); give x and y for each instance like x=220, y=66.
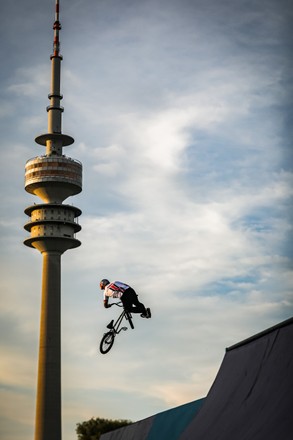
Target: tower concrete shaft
x=48, y=408
x=52, y=226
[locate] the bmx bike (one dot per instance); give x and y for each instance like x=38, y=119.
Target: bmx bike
x=115, y=328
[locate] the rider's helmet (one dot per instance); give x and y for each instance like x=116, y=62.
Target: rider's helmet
x=104, y=282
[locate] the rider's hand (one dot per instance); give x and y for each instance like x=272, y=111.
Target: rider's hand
x=106, y=305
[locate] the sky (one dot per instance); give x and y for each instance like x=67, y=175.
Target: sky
x=181, y=113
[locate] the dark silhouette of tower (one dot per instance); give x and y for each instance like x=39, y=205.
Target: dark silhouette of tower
x=53, y=177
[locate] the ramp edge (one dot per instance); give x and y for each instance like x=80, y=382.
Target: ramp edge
x=259, y=335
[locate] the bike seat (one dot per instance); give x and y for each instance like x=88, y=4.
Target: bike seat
x=110, y=325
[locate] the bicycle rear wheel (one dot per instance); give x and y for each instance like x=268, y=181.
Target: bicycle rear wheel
x=107, y=342
x=129, y=319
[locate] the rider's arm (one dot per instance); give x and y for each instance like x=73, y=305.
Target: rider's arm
x=106, y=298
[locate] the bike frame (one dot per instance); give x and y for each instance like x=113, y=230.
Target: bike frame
x=116, y=326
x=114, y=329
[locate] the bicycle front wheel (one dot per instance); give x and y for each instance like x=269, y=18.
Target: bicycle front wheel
x=107, y=342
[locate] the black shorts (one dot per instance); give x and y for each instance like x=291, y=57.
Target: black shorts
x=130, y=301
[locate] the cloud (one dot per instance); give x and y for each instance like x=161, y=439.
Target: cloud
x=179, y=119
x=20, y=426
x=30, y=81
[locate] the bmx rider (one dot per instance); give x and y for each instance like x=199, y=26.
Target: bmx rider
x=127, y=294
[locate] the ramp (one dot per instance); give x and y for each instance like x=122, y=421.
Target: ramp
x=250, y=399
x=252, y=396
x=167, y=425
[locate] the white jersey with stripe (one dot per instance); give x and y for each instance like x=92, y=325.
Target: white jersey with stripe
x=115, y=289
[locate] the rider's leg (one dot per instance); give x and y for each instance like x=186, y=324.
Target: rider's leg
x=131, y=303
x=140, y=308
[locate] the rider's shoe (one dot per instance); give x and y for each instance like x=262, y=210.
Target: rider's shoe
x=110, y=325
x=147, y=314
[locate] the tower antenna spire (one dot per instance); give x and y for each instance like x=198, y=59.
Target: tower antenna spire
x=57, y=28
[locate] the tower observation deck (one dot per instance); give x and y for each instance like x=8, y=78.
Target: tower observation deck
x=52, y=225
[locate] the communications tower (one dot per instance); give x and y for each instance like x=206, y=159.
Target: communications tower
x=52, y=226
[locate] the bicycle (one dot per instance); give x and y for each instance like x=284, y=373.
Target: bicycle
x=107, y=340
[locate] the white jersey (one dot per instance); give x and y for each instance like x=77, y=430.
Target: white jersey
x=115, y=290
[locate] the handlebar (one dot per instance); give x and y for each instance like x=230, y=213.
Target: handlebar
x=119, y=304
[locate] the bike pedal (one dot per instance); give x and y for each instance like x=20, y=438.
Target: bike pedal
x=124, y=328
